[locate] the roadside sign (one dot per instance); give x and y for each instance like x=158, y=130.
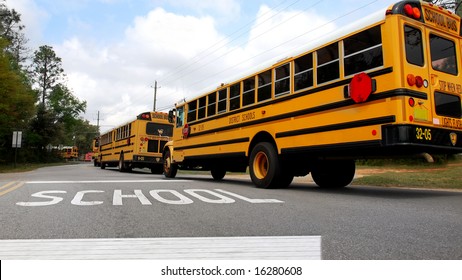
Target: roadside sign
x=17, y=139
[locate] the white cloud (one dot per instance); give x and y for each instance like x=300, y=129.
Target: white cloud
x=276, y=35
x=184, y=53
x=116, y=79
x=32, y=16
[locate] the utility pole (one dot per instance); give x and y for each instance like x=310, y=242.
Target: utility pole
x=97, y=123
x=155, y=95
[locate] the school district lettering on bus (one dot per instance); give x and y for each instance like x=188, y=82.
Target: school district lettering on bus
x=388, y=85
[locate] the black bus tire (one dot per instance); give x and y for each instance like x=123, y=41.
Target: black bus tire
x=265, y=167
x=334, y=174
x=170, y=169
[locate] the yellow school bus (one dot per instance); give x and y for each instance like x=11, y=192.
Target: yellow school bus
x=70, y=152
x=95, y=150
x=388, y=85
x=136, y=144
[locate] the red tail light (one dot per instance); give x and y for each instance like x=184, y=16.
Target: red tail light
x=417, y=81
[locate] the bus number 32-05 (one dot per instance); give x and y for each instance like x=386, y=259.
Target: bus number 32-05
x=423, y=133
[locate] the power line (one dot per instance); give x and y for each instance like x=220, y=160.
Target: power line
x=185, y=66
x=277, y=46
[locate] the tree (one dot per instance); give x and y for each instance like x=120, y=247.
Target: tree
x=47, y=71
x=17, y=101
x=11, y=30
x=66, y=108
x=452, y=5
x=64, y=104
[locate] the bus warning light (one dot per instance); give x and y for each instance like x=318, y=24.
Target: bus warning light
x=412, y=12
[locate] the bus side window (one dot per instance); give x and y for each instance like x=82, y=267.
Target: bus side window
x=202, y=107
x=248, y=96
x=192, y=111
x=212, y=102
x=264, y=86
x=328, y=64
x=282, y=80
x=363, y=51
x=235, y=96
x=180, y=117
x=222, y=97
x=303, y=72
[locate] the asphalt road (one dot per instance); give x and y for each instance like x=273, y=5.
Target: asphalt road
x=359, y=222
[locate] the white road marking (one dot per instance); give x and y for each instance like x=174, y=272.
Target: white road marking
x=195, y=248
x=107, y=181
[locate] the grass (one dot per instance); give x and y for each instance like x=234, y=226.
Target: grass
x=24, y=167
x=446, y=176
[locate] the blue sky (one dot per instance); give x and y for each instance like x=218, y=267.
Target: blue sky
x=113, y=50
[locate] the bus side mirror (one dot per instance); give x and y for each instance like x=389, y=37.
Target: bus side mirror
x=171, y=115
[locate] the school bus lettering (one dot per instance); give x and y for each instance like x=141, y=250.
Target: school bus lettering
x=248, y=116
x=440, y=20
x=363, y=93
x=452, y=123
x=234, y=119
x=159, y=116
x=451, y=87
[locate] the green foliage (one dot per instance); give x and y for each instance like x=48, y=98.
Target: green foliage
x=46, y=70
x=35, y=100
x=17, y=98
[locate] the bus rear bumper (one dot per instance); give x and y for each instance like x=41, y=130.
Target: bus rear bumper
x=422, y=139
x=397, y=141
x=148, y=160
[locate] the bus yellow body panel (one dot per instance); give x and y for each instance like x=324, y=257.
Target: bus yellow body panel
x=391, y=87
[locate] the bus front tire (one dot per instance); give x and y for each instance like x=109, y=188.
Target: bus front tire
x=334, y=174
x=265, y=167
x=169, y=168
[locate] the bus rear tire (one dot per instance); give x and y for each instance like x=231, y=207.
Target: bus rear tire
x=265, y=167
x=218, y=173
x=334, y=174
x=122, y=166
x=170, y=169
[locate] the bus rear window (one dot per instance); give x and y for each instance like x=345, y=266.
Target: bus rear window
x=443, y=53
x=414, y=47
x=159, y=129
x=448, y=105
